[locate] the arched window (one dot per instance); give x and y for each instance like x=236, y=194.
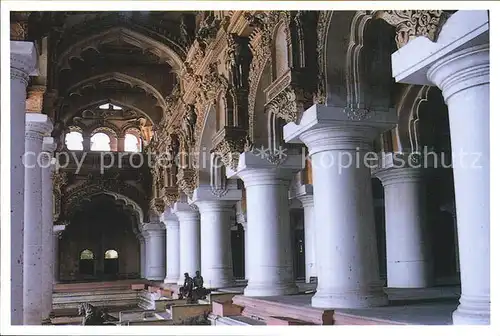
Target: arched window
x=132, y=143
x=109, y=106
x=86, y=255
x=111, y=254
x=100, y=142
x=74, y=140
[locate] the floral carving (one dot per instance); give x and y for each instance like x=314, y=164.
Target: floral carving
x=412, y=23
x=186, y=179
x=229, y=150
x=170, y=195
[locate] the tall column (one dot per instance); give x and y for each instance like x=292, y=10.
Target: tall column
x=189, y=234
x=347, y=266
x=305, y=196
x=56, y=237
x=173, y=248
x=458, y=62
x=216, y=213
x=409, y=261
x=37, y=125
x=22, y=64
x=48, y=147
x=154, y=240
x=142, y=255
x=270, y=265
x=464, y=78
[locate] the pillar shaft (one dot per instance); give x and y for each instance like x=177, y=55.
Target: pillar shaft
x=154, y=240
x=307, y=201
x=463, y=77
x=347, y=259
x=216, y=257
x=143, y=257
x=409, y=261
x=23, y=60
x=36, y=126
x=47, y=227
x=173, y=273
x=189, y=234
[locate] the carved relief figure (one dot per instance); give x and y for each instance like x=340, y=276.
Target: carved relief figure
x=189, y=124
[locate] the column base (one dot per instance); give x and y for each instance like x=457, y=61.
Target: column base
x=270, y=289
x=472, y=311
x=155, y=278
x=349, y=299
x=171, y=280
x=409, y=274
x=219, y=284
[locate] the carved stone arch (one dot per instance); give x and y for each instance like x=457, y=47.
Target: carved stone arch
x=146, y=43
x=72, y=197
x=204, y=143
x=104, y=127
x=130, y=101
x=120, y=77
x=132, y=129
x=368, y=78
x=74, y=128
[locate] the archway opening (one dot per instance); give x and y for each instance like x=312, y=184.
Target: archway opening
x=86, y=266
x=132, y=143
x=111, y=263
x=100, y=142
x=74, y=140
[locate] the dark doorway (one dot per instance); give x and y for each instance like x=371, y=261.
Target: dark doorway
x=238, y=248
x=86, y=265
x=299, y=254
x=111, y=264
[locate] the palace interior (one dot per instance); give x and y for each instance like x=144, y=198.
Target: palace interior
x=171, y=142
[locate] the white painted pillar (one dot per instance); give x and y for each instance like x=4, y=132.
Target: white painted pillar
x=347, y=259
x=23, y=58
x=409, y=261
x=173, y=248
x=37, y=125
x=464, y=78
x=189, y=234
x=269, y=250
x=305, y=196
x=245, y=228
x=48, y=148
x=142, y=255
x=217, y=215
x=154, y=240
x=56, y=237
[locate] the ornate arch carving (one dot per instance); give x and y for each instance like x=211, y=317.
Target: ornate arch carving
x=120, y=77
x=146, y=43
x=112, y=131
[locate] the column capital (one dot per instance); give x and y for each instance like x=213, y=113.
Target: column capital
x=255, y=170
x=49, y=145
x=187, y=210
x=152, y=228
x=37, y=125
x=23, y=58
x=204, y=193
x=400, y=175
x=305, y=195
x=215, y=205
x=462, y=70
x=324, y=128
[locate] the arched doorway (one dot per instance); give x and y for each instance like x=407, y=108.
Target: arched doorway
x=111, y=264
x=86, y=266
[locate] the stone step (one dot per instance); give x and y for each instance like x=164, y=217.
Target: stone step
x=262, y=309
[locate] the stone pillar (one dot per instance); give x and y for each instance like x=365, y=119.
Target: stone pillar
x=189, y=234
x=347, y=259
x=154, y=240
x=143, y=255
x=305, y=196
x=56, y=237
x=409, y=261
x=269, y=250
x=86, y=143
x=458, y=62
x=37, y=125
x=23, y=58
x=113, y=144
x=47, y=227
x=216, y=213
x=245, y=228
x=173, y=248
x=463, y=77
x=120, y=147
